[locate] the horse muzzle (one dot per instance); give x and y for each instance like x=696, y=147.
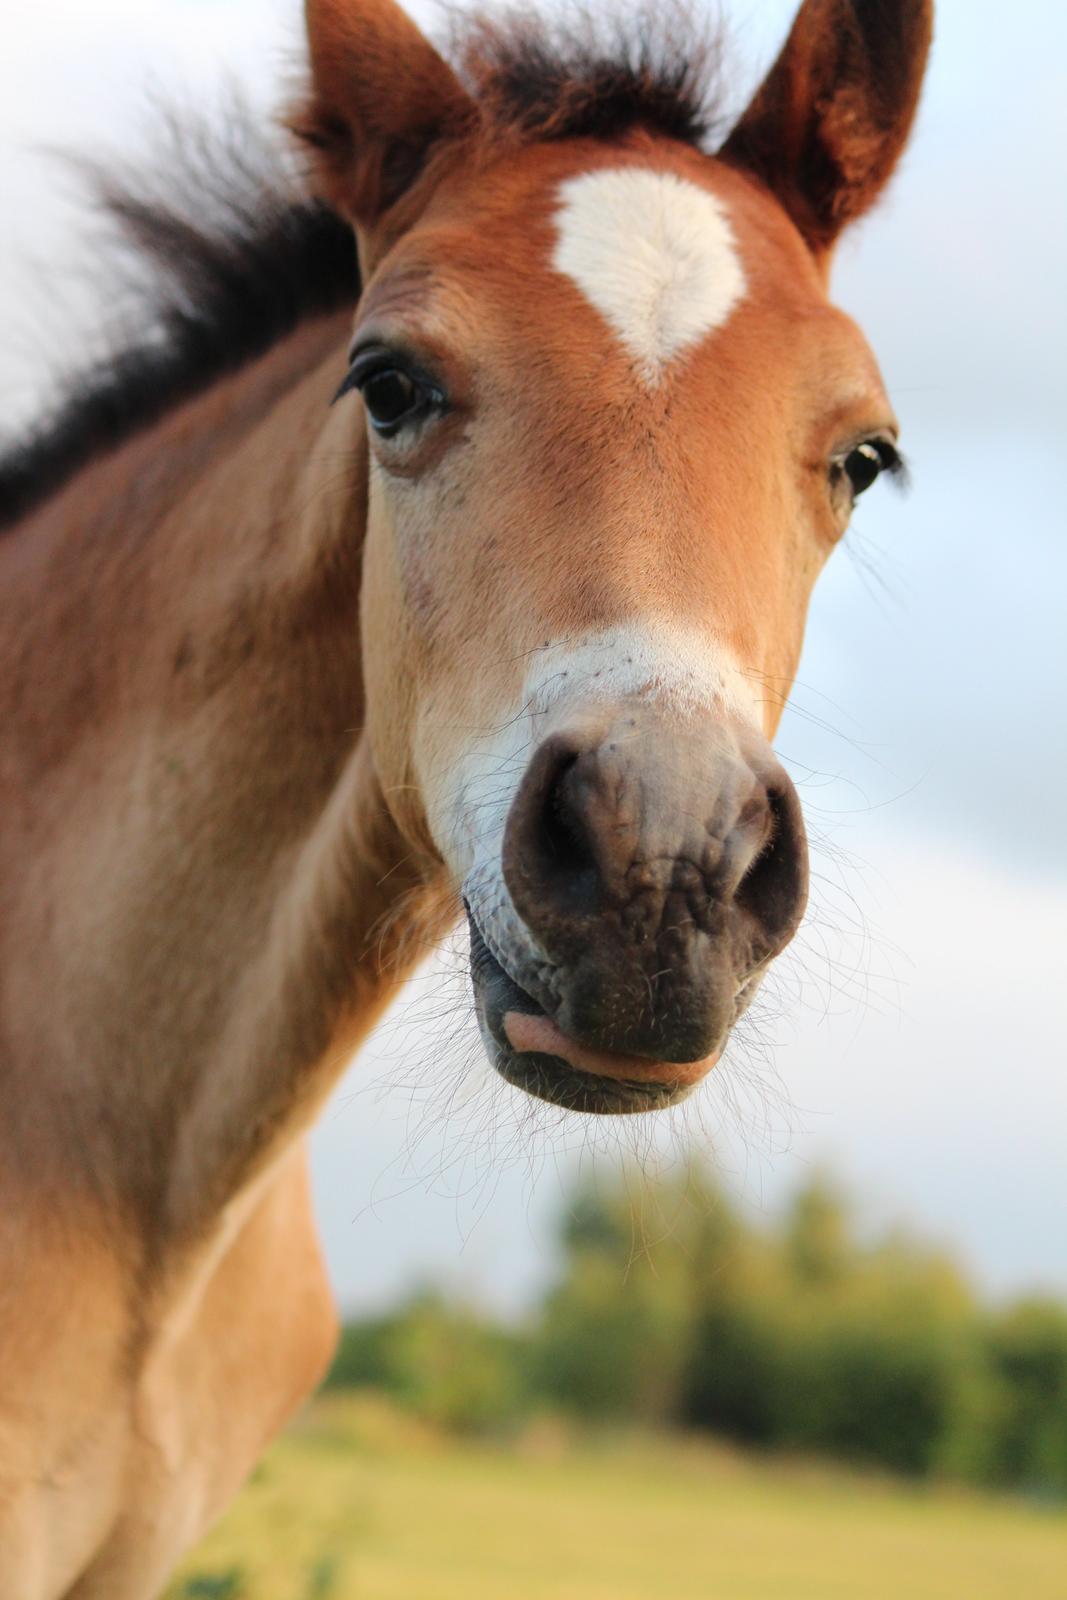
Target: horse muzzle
x=651, y=870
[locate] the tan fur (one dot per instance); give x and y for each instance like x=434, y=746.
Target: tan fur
x=236, y=658
x=188, y=775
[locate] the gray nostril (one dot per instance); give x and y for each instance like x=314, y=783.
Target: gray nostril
x=550, y=857
x=563, y=847
x=563, y=834
x=774, y=889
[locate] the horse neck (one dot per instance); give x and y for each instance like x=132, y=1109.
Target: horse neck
x=201, y=881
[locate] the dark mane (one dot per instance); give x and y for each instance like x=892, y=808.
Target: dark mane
x=221, y=255
x=226, y=251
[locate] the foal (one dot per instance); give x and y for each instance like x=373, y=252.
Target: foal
x=286, y=686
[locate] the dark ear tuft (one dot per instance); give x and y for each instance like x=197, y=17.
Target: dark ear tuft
x=831, y=120
x=381, y=98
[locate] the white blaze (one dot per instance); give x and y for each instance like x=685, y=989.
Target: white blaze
x=655, y=254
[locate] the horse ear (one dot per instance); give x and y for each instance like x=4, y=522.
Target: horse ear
x=828, y=126
x=381, y=98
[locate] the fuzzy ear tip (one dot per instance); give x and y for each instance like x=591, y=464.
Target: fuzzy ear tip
x=380, y=98
x=828, y=126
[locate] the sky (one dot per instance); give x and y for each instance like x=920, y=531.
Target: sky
x=915, y=1040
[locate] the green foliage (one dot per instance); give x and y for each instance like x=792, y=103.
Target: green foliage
x=609, y=1355
x=444, y=1362
x=453, y=1367
x=669, y=1310
x=228, y=1585
x=874, y=1391
x=323, y=1578
x=362, y=1359
x=739, y=1374
x=816, y=1239
x=1028, y=1351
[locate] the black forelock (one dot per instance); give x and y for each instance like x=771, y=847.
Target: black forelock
x=581, y=75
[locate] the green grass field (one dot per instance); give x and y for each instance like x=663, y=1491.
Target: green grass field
x=356, y=1503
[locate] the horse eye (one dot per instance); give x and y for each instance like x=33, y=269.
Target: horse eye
x=864, y=464
x=394, y=393
x=391, y=398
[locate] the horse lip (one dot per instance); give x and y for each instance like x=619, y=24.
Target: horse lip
x=540, y=1035
x=550, y=1078
x=543, y=1074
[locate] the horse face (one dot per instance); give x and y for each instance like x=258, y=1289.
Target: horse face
x=615, y=430
x=607, y=467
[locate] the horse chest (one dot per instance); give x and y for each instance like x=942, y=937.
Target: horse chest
x=123, y=1470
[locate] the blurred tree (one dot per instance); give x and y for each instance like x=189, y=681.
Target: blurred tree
x=1028, y=1351
x=454, y=1367
x=670, y=1309
x=445, y=1362
x=740, y=1366
x=613, y=1337
x=362, y=1359
x=817, y=1236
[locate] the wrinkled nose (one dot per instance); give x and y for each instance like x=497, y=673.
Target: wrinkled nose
x=659, y=868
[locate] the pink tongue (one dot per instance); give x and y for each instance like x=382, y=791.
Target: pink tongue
x=541, y=1036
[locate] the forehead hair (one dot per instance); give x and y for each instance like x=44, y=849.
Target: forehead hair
x=576, y=77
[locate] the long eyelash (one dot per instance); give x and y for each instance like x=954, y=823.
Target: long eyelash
x=348, y=383
x=895, y=465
